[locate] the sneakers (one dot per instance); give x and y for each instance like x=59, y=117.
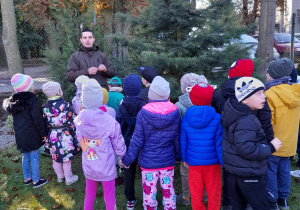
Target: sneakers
x=28, y=182
x=274, y=206
x=60, y=179
x=39, y=183
x=131, y=204
x=283, y=204
x=182, y=200
x=119, y=181
x=72, y=180
x=295, y=173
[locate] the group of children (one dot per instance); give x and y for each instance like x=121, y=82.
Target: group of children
x=233, y=128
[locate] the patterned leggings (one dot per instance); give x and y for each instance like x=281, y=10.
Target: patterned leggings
x=149, y=182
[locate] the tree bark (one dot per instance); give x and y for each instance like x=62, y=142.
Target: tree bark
x=9, y=36
x=266, y=33
x=245, y=12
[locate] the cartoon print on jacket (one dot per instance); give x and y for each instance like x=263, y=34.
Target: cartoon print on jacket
x=89, y=145
x=147, y=189
x=166, y=192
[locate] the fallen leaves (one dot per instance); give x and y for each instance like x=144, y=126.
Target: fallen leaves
x=37, y=195
x=57, y=207
x=4, y=170
x=70, y=190
x=99, y=194
x=14, y=188
x=17, y=170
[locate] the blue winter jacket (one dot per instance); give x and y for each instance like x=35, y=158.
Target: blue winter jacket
x=156, y=137
x=201, y=136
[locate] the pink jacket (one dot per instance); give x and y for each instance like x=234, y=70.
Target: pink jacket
x=99, y=143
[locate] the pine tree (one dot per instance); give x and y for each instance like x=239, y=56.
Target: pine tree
x=175, y=38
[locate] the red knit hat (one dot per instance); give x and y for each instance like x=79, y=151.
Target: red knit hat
x=202, y=95
x=241, y=68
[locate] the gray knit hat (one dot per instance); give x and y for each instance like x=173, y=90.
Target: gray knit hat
x=280, y=68
x=159, y=89
x=92, y=95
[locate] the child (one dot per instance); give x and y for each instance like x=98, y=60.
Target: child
x=187, y=81
x=201, y=150
x=29, y=127
x=76, y=101
x=61, y=141
x=284, y=100
x=245, y=148
x=119, y=180
x=115, y=95
x=105, y=107
x=99, y=143
x=126, y=116
x=156, y=141
x=148, y=73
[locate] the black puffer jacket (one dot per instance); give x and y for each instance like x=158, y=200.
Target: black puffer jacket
x=126, y=116
x=28, y=122
x=245, y=149
x=227, y=91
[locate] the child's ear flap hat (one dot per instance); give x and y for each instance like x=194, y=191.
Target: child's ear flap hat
x=241, y=68
x=105, y=96
x=21, y=82
x=246, y=87
x=79, y=80
x=92, y=95
x=51, y=89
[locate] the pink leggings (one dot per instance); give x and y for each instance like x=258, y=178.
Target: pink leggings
x=108, y=192
x=63, y=169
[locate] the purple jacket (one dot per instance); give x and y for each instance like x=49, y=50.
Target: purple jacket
x=99, y=143
x=156, y=137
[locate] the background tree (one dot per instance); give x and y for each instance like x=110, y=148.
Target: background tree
x=176, y=39
x=9, y=37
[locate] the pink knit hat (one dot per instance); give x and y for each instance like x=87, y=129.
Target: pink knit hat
x=21, y=82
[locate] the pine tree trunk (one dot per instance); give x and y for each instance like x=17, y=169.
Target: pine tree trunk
x=115, y=46
x=245, y=12
x=266, y=33
x=9, y=36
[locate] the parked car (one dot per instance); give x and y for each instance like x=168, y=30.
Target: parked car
x=282, y=43
x=247, y=41
x=297, y=35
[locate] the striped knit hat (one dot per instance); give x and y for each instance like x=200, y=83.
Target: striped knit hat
x=21, y=82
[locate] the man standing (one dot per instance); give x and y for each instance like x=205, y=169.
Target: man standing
x=89, y=61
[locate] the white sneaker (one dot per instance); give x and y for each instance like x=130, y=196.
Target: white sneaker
x=72, y=180
x=60, y=179
x=295, y=173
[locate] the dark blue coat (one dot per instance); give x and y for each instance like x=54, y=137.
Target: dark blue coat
x=201, y=136
x=156, y=138
x=245, y=148
x=126, y=116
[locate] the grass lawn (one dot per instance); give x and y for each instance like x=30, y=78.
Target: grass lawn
x=14, y=195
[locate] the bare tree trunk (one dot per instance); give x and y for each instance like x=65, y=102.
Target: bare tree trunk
x=266, y=33
x=115, y=46
x=282, y=27
x=9, y=36
x=245, y=12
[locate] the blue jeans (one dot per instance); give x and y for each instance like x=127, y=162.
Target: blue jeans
x=31, y=165
x=278, y=178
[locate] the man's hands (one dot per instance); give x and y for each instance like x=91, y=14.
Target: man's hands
x=94, y=70
x=102, y=68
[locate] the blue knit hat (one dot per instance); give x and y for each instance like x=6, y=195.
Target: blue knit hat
x=132, y=85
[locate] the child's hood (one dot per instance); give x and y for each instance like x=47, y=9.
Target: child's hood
x=288, y=94
x=233, y=110
x=185, y=100
x=88, y=123
x=160, y=114
x=199, y=116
